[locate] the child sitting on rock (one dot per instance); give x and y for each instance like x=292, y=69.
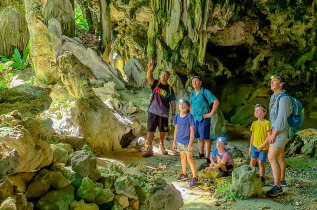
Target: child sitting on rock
x=261, y=130
x=221, y=158
x=184, y=135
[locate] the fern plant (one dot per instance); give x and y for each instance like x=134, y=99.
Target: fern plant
x=19, y=62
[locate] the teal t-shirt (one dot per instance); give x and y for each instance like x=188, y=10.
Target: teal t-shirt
x=199, y=104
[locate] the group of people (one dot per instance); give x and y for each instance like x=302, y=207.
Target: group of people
x=268, y=138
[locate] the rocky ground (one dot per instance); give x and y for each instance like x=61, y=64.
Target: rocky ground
x=300, y=193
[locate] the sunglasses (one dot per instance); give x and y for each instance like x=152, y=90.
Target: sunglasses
x=263, y=107
x=277, y=77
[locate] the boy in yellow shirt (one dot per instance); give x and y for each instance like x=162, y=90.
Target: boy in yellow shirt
x=261, y=130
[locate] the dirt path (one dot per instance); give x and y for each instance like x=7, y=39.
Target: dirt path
x=301, y=177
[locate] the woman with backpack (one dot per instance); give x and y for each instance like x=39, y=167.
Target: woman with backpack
x=280, y=110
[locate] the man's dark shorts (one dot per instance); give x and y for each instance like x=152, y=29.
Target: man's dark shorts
x=202, y=129
x=154, y=121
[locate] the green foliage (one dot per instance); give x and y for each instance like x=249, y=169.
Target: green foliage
x=6, y=65
x=19, y=62
x=223, y=190
x=81, y=23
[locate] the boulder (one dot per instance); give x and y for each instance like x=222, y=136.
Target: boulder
x=59, y=181
x=94, y=193
x=9, y=162
x=76, y=142
x=126, y=185
x=20, y=181
x=6, y=188
x=21, y=202
x=109, y=180
x=209, y=174
x=57, y=199
x=245, y=181
x=9, y=204
x=167, y=198
x=71, y=175
x=39, y=185
x=32, y=148
x=81, y=205
x=60, y=155
x=83, y=162
x=134, y=204
x=122, y=200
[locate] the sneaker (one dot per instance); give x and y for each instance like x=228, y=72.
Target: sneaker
x=148, y=153
x=182, y=177
x=275, y=191
x=283, y=183
x=224, y=173
x=199, y=156
x=193, y=182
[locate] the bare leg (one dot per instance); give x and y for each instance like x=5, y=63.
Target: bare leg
x=162, y=139
x=150, y=137
x=253, y=162
x=281, y=161
x=183, y=162
x=207, y=147
x=262, y=168
x=149, y=151
x=192, y=164
x=201, y=144
x=273, y=155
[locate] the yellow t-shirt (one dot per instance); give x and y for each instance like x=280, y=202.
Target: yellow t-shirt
x=260, y=133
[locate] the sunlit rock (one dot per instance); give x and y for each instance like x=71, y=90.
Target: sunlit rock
x=135, y=73
x=39, y=185
x=83, y=163
x=245, y=181
x=59, y=181
x=20, y=181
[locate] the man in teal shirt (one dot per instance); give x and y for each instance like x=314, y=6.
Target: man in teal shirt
x=202, y=114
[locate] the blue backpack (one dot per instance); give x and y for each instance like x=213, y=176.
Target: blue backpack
x=296, y=118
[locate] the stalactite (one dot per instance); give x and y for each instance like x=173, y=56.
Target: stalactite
x=13, y=28
x=106, y=29
x=63, y=11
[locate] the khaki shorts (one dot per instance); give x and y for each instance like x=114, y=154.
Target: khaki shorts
x=281, y=139
x=182, y=148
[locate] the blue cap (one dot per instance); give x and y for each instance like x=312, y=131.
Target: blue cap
x=223, y=140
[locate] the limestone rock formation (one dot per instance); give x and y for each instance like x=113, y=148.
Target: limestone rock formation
x=39, y=185
x=245, y=181
x=135, y=73
x=28, y=100
x=32, y=149
x=83, y=162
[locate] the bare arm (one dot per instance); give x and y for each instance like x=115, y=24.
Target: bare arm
x=149, y=73
x=251, y=142
x=214, y=107
x=222, y=162
x=266, y=142
x=175, y=135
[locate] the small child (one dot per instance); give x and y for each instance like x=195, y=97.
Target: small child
x=184, y=134
x=261, y=130
x=221, y=158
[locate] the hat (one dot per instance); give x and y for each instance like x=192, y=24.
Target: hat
x=184, y=101
x=223, y=140
x=277, y=77
x=166, y=72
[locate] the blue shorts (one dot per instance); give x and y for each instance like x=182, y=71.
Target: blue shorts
x=202, y=129
x=261, y=155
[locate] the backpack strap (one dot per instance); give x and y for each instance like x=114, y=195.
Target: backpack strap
x=278, y=101
x=159, y=82
x=206, y=99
